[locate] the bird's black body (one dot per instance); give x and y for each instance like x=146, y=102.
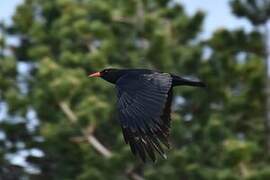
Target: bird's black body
x=144, y=105
x=112, y=75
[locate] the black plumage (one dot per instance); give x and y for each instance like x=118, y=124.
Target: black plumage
x=144, y=106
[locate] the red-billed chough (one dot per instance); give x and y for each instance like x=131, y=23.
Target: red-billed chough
x=144, y=106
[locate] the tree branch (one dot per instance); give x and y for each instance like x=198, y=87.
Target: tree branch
x=88, y=134
x=134, y=176
x=98, y=146
x=70, y=115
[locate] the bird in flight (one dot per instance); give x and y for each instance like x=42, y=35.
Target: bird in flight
x=144, y=107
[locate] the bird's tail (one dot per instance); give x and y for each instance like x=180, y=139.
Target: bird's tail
x=177, y=81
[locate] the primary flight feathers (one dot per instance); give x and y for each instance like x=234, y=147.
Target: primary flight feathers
x=144, y=106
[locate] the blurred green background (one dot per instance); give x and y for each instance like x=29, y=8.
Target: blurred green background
x=56, y=124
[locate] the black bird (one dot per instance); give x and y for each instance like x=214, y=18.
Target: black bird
x=144, y=106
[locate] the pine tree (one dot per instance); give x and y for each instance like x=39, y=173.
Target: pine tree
x=258, y=13
x=13, y=110
x=217, y=133
x=62, y=41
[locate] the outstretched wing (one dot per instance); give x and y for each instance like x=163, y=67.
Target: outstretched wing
x=144, y=102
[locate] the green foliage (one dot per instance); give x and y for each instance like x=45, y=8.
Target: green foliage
x=217, y=133
x=257, y=11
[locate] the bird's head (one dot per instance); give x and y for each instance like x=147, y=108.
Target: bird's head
x=110, y=74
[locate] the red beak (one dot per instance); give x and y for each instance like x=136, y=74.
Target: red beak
x=96, y=74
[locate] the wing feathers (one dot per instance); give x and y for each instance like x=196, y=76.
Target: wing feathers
x=144, y=108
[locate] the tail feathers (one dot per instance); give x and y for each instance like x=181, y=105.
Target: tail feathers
x=177, y=81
